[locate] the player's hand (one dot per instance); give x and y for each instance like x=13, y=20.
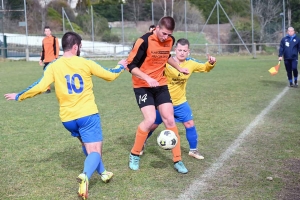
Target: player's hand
x=211, y=59
x=183, y=70
x=123, y=62
x=152, y=82
x=41, y=63
x=280, y=59
x=10, y=96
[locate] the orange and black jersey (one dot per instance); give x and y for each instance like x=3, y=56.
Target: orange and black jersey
x=151, y=56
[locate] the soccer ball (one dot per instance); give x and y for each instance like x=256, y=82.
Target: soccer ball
x=167, y=139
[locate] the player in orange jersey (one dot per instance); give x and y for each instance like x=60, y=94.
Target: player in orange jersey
x=50, y=50
x=146, y=62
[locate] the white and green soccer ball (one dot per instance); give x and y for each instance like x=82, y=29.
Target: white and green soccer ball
x=167, y=139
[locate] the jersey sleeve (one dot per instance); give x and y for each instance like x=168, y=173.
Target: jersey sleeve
x=137, y=54
x=37, y=87
x=201, y=67
x=108, y=74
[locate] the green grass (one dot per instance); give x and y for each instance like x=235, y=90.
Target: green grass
x=40, y=160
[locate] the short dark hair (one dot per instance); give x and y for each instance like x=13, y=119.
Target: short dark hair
x=183, y=41
x=47, y=27
x=151, y=26
x=69, y=39
x=167, y=22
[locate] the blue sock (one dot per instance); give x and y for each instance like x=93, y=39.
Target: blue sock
x=90, y=164
x=84, y=151
x=149, y=135
x=100, y=168
x=192, y=137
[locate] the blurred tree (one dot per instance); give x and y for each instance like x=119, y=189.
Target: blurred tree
x=231, y=7
x=109, y=9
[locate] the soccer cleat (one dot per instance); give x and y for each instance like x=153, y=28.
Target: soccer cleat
x=195, y=154
x=179, y=166
x=83, y=181
x=134, y=162
x=296, y=84
x=106, y=176
x=142, y=152
x=291, y=85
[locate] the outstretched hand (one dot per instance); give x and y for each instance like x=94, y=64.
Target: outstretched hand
x=123, y=62
x=211, y=59
x=10, y=96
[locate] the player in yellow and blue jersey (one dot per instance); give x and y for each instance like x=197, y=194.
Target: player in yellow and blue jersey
x=72, y=77
x=177, y=87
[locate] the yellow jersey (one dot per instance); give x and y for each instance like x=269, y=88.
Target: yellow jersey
x=72, y=79
x=177, y=81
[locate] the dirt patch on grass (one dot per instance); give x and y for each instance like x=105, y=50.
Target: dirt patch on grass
x=291, y=179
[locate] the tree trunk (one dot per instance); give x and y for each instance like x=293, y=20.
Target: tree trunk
x=289, y=13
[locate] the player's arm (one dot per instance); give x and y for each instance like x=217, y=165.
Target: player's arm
x=34, y=89
x=57, y=48
x=108, y=74
x=42, y=55
x=172, y=62
x=136, y=58
x=203, y=67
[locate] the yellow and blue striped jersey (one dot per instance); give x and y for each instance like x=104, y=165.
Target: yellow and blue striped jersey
x=73, y=84
x=177, y=81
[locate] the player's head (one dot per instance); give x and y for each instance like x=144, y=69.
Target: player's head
x=165, y=28
x=47, y=31
x=151, y=28
x=71, y=42
x=291, y=31
x=182, y=49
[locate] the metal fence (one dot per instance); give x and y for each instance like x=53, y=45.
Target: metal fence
x=188, y=22
x=16, y=48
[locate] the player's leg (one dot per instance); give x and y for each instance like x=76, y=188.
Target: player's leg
x=166, y=110
x=157, y=122
x=295, y=72
x=145, y=101
x=288, y=67
x=183, y=114
x=49, y=88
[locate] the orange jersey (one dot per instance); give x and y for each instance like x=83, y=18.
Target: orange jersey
x=50, y=49
x=150, y=56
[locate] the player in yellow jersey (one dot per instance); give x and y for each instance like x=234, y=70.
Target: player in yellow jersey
x=177, y=87
x=72, y=77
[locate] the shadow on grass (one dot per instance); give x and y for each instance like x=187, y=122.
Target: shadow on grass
x=277, y=84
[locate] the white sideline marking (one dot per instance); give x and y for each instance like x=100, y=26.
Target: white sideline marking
x=199, y=184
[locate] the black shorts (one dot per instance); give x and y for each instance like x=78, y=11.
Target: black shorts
x=156, y=96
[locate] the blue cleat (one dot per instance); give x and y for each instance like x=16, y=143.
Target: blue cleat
x=179, y=166
x=134, y=162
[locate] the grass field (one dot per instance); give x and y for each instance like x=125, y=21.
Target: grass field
x=40, y=160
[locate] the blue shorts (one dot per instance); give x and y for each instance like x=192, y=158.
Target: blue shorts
x=88, y=128
x=182, y=113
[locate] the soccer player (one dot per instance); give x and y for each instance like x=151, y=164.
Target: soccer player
x=177, y=87
x=289, y=49
x=72, y=77
x=50, y=50
x=146, y=62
